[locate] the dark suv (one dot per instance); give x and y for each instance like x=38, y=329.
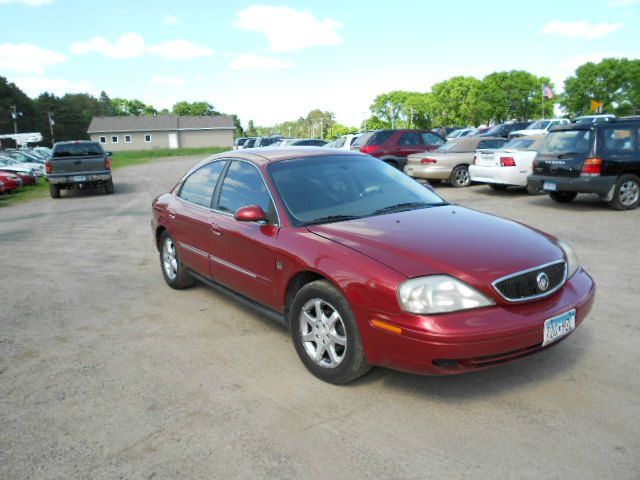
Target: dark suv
x=504, y=129
x=602, y=158
x=393, y=146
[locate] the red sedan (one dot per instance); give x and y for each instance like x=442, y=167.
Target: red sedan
x=27, y=178
x=11, y=181
x=365, y=266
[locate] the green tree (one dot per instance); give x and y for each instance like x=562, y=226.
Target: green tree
x=11, y=95
x=251, y=129
x=194, y=109
x=239, y=131
x=106, y=107
x=615, y=82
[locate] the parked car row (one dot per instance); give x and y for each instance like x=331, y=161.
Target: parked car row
x=19, y=168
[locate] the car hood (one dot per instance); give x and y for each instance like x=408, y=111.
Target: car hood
x=475, y=247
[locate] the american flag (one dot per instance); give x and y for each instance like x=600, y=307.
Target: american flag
x=546, y=91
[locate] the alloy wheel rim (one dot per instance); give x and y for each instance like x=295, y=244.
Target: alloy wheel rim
x=462, y=177
x=629, y=192
x=323, y=333
x=169, y=259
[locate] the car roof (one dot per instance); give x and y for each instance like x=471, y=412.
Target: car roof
x=263, y=156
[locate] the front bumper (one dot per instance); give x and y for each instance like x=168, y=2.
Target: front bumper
x=500, y=175
x=470, y=340
x=600, y=185
x=433, y=172
x=60, y=179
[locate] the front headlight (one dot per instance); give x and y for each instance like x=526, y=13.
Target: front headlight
x=439, y=294
x=572, y=259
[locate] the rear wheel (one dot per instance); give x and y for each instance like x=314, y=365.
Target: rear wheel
x=174, y=273
x=563, y=197
x=531, y=190
x=497, y=186
x=54, y=190
x=460, y=177
x=108, y=187
x=325, y=333
x=626, y=193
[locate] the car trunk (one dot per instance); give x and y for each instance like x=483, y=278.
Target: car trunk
x=564, y=152
x=71, y=165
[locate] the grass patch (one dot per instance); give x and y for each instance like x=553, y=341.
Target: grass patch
x=118, y=160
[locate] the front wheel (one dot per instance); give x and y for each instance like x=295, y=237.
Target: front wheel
x=460, y=177
x=174, y=273
x=325, y=333
x=626, y=193
x=563, y=197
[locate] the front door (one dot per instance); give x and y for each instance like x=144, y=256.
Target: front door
x=173, y=140
x=246, y=263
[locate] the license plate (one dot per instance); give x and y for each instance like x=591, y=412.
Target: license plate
x=549, y=186
x=79, y=178
x=557, y=327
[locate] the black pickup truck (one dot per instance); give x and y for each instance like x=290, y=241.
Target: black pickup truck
x=602, y=158
x=78, y=164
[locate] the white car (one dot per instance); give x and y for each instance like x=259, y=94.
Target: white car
x=344, y=142
x=32, y=168
x=540, y=127
x=508, y=166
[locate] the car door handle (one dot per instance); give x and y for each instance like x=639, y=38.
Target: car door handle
x=172, y=214
x=216, y=230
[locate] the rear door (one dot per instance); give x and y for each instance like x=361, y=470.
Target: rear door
x=192, y=219
x=563, y=152
x=619, y=149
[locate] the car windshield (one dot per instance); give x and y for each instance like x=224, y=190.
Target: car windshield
x=446, y=146
x=517, y=144
x=539, y=125
x=494, y=130
x=77, y=150
x=565, y=142
x=327, y=189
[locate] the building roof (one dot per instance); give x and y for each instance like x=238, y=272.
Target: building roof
x=148, y=123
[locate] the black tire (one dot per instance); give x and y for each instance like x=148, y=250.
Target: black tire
x=497, y=186
x=563, y=197
x=531, y=190
x=108, y=187
x=460, y=177
x=177, y=277
x=352, y=363
x=54, y=190
x=626, y=193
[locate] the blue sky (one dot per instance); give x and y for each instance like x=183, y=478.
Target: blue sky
x=272, y=62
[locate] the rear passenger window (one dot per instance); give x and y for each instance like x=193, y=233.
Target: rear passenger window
x=618, y=139
x=410, y=138
x=199, y=186
x=379, y=138
x=242, y=186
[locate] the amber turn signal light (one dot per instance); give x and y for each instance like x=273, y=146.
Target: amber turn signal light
x=385, y=326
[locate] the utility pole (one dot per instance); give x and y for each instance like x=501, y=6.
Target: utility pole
x=51, y=124
x=15, y=114
x=321, y=129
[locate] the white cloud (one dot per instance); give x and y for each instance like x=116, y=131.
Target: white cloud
x=31, y=3
x=249, y=61
x=170, y=20
x=128, y=45
x=34, y=86
x=157, y=80
x=180, y=50
x=623, y=3
x=27, y=58
x=288, y=29
x=581, y=29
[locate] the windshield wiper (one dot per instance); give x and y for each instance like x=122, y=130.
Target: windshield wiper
x=329, y=219
x=400, y=207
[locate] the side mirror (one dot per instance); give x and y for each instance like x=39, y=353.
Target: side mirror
x=250, y=213
x=109, y=154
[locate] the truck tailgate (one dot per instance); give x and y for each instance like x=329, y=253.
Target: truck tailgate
x=72, y=165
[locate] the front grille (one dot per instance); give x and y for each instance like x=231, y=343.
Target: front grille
x=523, y=286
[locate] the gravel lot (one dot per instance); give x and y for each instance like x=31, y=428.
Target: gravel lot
x=105, y=372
